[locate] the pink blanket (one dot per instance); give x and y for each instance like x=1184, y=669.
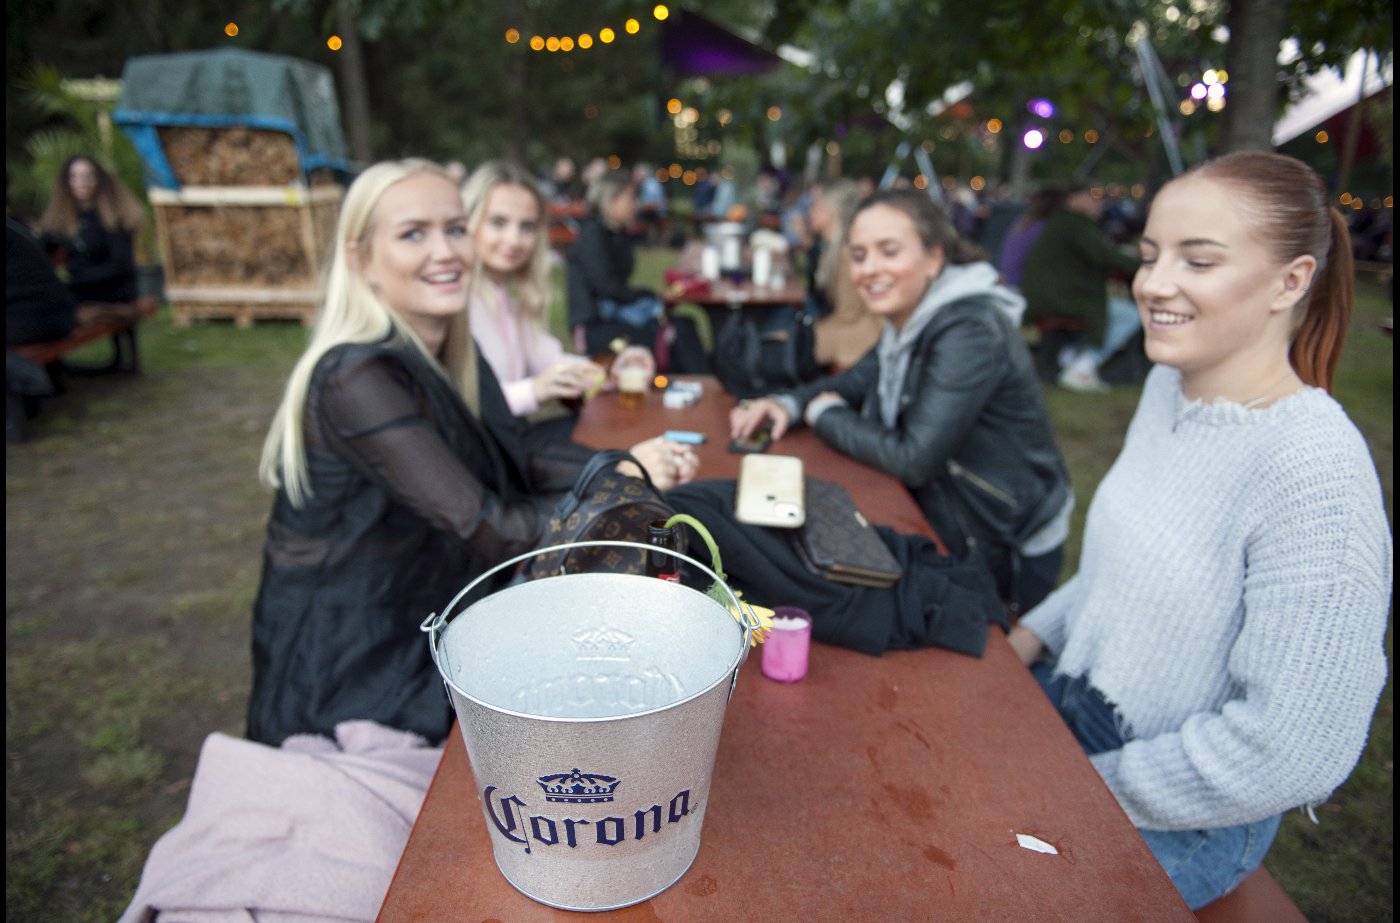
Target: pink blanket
x=311, y=831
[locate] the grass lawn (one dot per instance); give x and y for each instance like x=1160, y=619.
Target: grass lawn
x=134, y=523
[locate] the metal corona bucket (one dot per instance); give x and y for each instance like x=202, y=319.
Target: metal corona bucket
x=591, y=707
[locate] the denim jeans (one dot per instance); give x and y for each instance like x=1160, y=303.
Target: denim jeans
x=636, y=313
x=1203, y=864
x=1123, y=322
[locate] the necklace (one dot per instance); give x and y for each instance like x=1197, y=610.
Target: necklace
x=1260, y=399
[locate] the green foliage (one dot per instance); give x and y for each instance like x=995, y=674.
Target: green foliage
x=76, y=127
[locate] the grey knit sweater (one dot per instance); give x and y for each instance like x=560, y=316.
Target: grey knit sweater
x=1231, y=602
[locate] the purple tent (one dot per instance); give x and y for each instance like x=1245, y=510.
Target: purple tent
x=693, y=46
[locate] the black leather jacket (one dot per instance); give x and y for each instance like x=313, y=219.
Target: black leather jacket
x=972, y=441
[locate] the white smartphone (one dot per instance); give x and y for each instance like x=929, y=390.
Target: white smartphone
x=771, y=492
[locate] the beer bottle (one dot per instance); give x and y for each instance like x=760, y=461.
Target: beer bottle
x=660, y=564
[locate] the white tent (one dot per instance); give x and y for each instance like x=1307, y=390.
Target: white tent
x=1328, y=93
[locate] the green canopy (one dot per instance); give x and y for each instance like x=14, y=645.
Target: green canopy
x=227, y=87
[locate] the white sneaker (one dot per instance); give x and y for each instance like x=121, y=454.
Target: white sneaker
x=1079, y=378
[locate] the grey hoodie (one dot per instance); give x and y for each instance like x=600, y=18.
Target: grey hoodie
x=954, y=283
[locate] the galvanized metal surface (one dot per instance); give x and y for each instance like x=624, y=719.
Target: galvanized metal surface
x=591, y=708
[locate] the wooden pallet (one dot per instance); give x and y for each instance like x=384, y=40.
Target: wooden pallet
x=244, y=306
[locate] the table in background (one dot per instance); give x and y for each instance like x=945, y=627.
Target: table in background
x=722, y=295
x=878, y=788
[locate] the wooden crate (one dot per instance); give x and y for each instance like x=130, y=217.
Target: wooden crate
x=245, y=252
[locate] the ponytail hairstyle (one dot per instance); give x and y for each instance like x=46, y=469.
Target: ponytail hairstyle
x=529, y=284
x=1288, y=204
x=931, y=222
x=352, y=312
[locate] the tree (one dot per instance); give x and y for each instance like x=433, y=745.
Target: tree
x=1080, y=55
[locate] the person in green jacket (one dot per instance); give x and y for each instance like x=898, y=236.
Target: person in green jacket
x=1066, y=275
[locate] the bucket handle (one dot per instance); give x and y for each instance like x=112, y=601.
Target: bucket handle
x=747, y=619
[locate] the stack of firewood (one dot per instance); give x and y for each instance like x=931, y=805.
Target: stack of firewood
x=232, y=156
x=244, y=237
x=236, y=245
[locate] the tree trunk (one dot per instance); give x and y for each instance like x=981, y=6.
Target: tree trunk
x=1353, y=135
x=354, y=87
x=1251, y=58
x=515, y=88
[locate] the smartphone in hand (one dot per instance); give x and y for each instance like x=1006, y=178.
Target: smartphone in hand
x=754, y=442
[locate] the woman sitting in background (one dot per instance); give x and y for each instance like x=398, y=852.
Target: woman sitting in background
x=93, y=220
x=844, y=330
x=604, y=305
x=510, y=293
x=947, y=401
x=397, y=473
x=1221, y=650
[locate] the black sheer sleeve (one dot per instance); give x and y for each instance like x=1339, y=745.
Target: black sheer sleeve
x=376, y=416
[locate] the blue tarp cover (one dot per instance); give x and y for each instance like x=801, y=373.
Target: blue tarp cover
x=227, y=87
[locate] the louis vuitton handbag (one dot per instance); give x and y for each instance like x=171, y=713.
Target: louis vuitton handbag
x=837, y=542
x=603, y=505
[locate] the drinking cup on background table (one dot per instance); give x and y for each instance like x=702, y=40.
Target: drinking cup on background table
x=785, y=651
x=762, y=266
x=632, y=386
x=709, y=263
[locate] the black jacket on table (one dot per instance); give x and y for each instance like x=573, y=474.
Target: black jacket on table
x=972, y=440
x=101, y=262
x=413, y=497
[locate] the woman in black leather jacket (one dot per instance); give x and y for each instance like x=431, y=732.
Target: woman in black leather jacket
x=947, y=401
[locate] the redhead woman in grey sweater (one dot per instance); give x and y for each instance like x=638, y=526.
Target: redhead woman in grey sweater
x=1221, y=650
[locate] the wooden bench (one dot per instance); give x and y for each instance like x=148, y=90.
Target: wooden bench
x=49, y=355
x=1258, y=898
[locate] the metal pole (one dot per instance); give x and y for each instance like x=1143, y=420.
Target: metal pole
x=1153, y=74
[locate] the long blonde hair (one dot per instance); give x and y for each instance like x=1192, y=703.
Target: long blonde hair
x=353, y=313
x=841, y=196
x=529, y=284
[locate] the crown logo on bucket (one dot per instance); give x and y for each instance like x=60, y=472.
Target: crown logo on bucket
x=578, y=787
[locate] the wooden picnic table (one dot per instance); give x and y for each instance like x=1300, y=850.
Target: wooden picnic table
x=878, y=788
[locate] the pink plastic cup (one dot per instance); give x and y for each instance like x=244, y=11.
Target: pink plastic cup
x=785, y=651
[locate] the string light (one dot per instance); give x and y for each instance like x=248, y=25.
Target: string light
x=606, y=35
x=994, y=125
x=334, y=43
x=231, y=29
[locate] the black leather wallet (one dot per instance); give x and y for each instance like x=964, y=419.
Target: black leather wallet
x=839, y=543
